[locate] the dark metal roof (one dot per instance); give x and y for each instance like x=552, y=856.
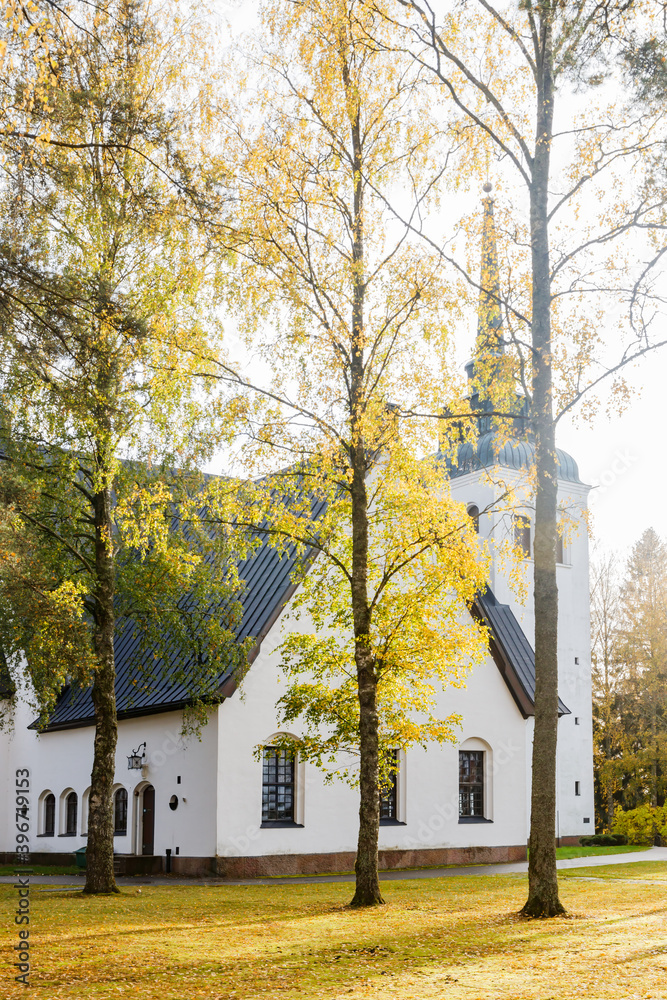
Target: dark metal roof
x=268, y=584
x=487, y=451
x=511, y=651
x=267, y=576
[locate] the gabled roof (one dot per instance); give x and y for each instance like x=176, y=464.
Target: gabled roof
x=268, y=586
x=511, y=651
x=267, y=576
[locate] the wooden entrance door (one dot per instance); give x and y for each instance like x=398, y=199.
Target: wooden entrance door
x=148, y=820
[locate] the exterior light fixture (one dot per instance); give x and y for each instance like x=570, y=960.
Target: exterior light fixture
x=136, y=759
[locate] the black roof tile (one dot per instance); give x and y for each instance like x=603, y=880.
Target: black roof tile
x=511, y=651
x=267, y=577
x=268, y=585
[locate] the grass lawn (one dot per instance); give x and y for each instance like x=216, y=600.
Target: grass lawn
x=653, y=870
x=587, y=852
x=436, y=938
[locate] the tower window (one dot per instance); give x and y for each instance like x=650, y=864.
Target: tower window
x=388, y=796
x=120, y=812
x=522, y=534
x=473, y=514
x=71, y=804
x=577, y=788
x=471, y=783
x=560, y=549
x=49, y=815
x=277, y=786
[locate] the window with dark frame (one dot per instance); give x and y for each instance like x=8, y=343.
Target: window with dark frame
x=277, y=786
x=473, y=514
x=522, y=534
x=471, y=783
x=560, y=549
x=388, y=796
x=120, y=812
x=49, y=815
x=71, y=804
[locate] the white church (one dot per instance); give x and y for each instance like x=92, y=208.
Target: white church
x=209, y=805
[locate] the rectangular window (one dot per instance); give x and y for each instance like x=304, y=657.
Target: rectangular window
x=471, y=783
x=277, y=786
x=388, y=796
x=577, y=788
x=560, y=549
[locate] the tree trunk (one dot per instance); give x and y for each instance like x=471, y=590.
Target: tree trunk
x=367, y=890
x=99, y=855
x=543, y=898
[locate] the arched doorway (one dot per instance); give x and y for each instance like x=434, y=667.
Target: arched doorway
x=148, y=820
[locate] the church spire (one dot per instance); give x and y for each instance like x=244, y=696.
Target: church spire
x=489, y=321
x=489, y=342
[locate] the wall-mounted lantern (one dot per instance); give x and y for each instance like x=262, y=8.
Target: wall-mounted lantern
x=136, y=759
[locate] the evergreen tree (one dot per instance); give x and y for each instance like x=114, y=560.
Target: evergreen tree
x=642, y=647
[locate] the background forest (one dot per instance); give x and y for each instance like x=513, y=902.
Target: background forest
x=629, y=639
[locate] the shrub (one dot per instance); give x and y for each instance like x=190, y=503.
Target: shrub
x=641, y=825
x=603, y=840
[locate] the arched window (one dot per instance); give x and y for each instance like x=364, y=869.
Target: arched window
x=522, y=534
x=85, y=812
x=277, y=786
x=49, y=815
x=71, y=804
x=473, y=514
x=120, y=812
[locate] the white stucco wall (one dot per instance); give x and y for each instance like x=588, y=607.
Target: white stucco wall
x=61, y=761
x=428, y=784
x=219, y=794
x=575, y=740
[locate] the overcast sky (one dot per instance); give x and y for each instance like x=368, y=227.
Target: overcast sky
x=619, y=456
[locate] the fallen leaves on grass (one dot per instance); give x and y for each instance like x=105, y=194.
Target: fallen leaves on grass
x=444, y=938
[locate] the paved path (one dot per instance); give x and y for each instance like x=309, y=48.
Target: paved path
x=652, y=854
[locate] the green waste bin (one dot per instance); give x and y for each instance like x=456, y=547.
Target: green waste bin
x=80, y=857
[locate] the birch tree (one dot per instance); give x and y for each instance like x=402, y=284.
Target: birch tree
x=103, y=330
x=359, y=333
x=505, y=71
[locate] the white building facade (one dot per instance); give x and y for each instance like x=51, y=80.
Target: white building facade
x=214, y=805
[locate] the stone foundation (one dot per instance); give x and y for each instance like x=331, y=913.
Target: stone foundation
x=324, y=864
x=39, y=858
x=292, y=864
